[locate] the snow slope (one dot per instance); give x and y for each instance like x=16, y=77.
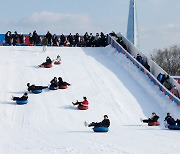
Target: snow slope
x=49, y=124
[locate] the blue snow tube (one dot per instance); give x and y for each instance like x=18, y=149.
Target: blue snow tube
x=100, y=129
x=174, y=127
x=37, y=91
x=21, y=102
x=53, y=88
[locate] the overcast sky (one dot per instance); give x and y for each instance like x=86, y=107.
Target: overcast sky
x=158, y=20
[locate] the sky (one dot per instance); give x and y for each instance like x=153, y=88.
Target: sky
x=158, y=20
x=50, y=124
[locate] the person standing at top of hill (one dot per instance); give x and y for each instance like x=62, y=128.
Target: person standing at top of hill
x=8, y=38
x=62, y=40
x=49, y=37
x=44, y=43
x=21, y=38
x=15, y=38
x=70, y=39
x=54, y=40
x=35, y=37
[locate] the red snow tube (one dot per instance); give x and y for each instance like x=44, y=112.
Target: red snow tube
x=154, y=123
x=57, y=62
x=80, y=107
x=63, y=87
x=48, y=65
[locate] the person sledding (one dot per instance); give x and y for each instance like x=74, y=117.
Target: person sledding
x=22, y=98
x=154, y=118
x=169, y=121
x=34, y=87
x=83, y=105
x=104, y=123
x=48, y=62
x=62, y=84
x=57, y=60
x=54, y=84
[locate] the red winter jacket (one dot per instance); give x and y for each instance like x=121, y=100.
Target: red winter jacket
x=85, y=103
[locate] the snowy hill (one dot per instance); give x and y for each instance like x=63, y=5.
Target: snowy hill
x=49, y=124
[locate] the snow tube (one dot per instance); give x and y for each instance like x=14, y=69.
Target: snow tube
x=21, y=102
x=53, y=88
x=81, y=107
x=174, y=127
x=37, y=91
x=101, y=129
x=154, y=123
x=63, y=87
x=57, y=62
x=48, y=65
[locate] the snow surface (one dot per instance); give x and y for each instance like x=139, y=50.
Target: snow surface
x=49, y=124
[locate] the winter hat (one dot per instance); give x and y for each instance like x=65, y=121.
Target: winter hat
x=105, y=116
x=85, y=98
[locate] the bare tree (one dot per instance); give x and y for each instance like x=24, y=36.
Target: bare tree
x=168, y=59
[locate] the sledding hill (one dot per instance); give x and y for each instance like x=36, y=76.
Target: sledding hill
x=49, y=124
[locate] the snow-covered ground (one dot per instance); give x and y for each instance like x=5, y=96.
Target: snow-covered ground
x=49, y=124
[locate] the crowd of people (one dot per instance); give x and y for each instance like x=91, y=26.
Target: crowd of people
x=49, y=39
x=165, y=81
x=88, y=40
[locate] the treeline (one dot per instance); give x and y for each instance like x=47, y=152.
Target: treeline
x=168, y=59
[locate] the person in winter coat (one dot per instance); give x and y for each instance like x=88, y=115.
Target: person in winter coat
x=23, y=98
x=154, y=118
x=104, y=123
x=31, y=40
x=44, y=43
x=70, y=39
x=35, y=37
x=62, y=40
x=139, y=58
x=54, y=83
x=174, y=90
x=62, y=83
x=8, y=38
x=167, y=84
x=48, y=61
x=15, y=38
x=54, y=40
x=21, y=38
x=33, y=87
x=83, y=103
x=49, y=37
x=58, y=59
x=169, y=119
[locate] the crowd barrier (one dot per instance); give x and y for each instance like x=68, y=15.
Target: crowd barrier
x=155, y=69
